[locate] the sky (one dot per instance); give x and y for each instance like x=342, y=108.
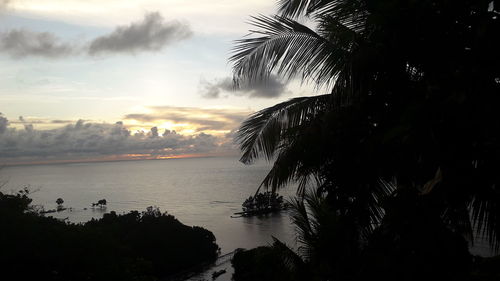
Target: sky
x=96, y=80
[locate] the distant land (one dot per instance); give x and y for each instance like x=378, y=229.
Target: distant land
x=114, y=158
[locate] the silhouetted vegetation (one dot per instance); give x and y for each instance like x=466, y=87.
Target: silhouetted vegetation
x=254, y=264
x=132, y=246
x=262, y=203
x=60, y=203
x=330, y=249
x=403, y=146
x=101, y=204
x=218, y=273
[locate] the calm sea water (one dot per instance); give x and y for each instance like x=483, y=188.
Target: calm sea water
x=198, y=191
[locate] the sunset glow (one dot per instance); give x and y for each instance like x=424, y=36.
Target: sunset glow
x=151, y=76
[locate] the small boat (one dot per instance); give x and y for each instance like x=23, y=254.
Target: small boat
x=218, y=273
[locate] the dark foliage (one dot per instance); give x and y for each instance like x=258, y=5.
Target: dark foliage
x=413, y=243
x=486, y=269
x=133, y=246
x=254, y=264
x=412, y=97
x=410, y=244
x=405, y=141
x=263, y=201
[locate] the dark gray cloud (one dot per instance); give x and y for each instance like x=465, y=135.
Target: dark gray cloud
x=154, y=132
x=270, y=88
x=20, y=43
x=150, y=34
x=3, y=123
x=60, y=121
x=85, y=140
x=197, y=118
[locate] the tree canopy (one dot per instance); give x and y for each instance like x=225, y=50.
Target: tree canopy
x=410, y=95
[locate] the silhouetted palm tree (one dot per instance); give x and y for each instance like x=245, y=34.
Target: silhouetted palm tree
x=328, y=243
x=412, y=90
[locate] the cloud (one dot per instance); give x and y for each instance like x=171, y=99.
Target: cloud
x=150, y=34
x=20, y=43
x=192, y=118
x=60, y=121
x=40, y=122
x=4, y=4
x=271, y=88
x=86, y=140
x=3, y=123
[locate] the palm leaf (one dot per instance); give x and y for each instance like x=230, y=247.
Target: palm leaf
x=287, y=48
x=297, y=8
x=305, y=231
x=379, y=192
x=485, y=216
x=291, y=162
x=262, y=132
x=350, y=13
x=290, y=259
x=459, y=219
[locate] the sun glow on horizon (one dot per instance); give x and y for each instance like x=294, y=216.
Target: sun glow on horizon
x=116, y=158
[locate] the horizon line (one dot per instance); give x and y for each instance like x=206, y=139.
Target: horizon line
x=135, y=157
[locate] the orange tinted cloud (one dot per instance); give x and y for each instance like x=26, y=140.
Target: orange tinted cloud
x=188, y=120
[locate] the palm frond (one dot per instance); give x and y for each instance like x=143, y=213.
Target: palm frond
x=297, y=8
x=338, y=33
x=285, y=169
x=290, y=166
x=305, y=232
x=290, y=259
x=485, y=216
x=380, y=191
x=287, y=48
x=320, y=229
x=459, y=219
x=262, y=132
x=349, y=12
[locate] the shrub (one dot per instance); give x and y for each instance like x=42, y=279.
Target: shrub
x=132, y=246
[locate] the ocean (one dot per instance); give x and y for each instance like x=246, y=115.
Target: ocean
x=198, y=191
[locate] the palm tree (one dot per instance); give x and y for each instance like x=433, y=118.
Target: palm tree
x=328, y=242
x=320, y=232
x=411, y=91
